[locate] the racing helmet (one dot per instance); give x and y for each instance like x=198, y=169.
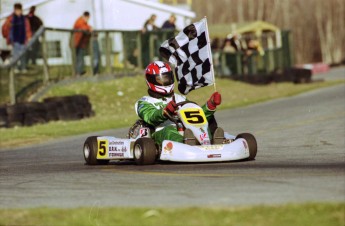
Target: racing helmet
x=160, y=78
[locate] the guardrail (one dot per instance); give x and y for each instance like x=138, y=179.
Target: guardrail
x=117, y=51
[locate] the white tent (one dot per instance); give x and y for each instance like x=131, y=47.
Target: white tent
x=105, y=15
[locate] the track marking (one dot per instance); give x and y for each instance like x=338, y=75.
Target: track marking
x=302, y=123
x=208, y=174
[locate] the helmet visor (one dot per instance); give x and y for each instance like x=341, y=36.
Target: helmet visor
x=163, y=79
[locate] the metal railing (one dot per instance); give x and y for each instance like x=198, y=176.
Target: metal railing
x=114, y=51
x=119, y=52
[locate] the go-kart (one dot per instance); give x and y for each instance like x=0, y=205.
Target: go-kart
x=140, y=147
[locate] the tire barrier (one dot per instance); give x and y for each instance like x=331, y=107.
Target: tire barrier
x=3, y=117
x=299, y=75
x=51, y=109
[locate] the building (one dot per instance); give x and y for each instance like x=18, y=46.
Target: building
x=105, y=15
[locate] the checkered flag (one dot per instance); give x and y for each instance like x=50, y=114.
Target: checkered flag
x=190, y=53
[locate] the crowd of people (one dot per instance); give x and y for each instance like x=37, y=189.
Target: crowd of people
x=83, y=33
x=19, y=28
x=234, y=44
x=150, y=24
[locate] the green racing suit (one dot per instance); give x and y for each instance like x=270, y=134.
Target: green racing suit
x=150, y=110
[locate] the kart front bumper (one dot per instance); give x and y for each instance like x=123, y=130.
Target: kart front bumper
x=179, y=152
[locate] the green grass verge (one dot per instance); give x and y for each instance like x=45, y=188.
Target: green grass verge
x=114, y=111
x=304, y=214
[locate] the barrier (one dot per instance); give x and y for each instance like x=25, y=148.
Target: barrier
x=119, y=52
x=51, y=109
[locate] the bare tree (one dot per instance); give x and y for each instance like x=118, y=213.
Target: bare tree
x=317, y=26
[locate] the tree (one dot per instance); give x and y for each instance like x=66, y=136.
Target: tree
x=317, y=26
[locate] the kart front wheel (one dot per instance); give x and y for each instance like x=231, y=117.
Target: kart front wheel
x=144, y=151
x=252, y=145
x=90, y=150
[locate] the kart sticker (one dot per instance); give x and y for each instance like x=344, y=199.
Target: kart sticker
x=212, y=147
x=121, y=149
x=168, y=148
x=144, y=132
x=193, y=116
x=214, y=156
x=206, y=142
x=111, y=155
x=203, y=136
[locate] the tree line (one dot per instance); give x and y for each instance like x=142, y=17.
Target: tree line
x=317, y=26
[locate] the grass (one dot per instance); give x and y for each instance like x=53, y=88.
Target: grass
x=113, y=101
x=292, y=214
x=34, y=75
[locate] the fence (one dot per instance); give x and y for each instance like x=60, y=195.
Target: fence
x=114, y=52
x=238, y=65
x=111, y=51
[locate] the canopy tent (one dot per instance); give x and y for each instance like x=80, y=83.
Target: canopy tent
x=257, y=28
x=254, y=28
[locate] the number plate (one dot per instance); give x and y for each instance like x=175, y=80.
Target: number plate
x=193, y=116
x=113, y=148
x=103, y=149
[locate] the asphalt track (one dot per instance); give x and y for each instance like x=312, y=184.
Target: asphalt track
x=301, y=156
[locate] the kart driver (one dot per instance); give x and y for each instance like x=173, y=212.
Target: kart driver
x=153, y=109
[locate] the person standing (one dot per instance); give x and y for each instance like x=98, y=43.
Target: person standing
x=148, y=34
x=150, y=24
x=81, y=40
x=96, y=54
x=170, y=24
x=35, y=24
x=17, y=32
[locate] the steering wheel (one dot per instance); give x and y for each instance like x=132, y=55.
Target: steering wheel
x=180, y=104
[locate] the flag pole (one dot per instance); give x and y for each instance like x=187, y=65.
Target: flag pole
x=211, y=57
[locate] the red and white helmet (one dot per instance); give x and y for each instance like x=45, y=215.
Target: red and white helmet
x=160, y=78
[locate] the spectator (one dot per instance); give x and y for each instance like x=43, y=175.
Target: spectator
x=150, y=24
x=96, y=54
x=35, y=24
x=81, y=40
x=224, y=68
x=17, y=32
x=228, y=47
x=235, y=41
x=254, y=46
x=170, y=24
x=250, y=59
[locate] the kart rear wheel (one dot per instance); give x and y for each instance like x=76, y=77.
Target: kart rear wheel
x=252, y=145
x=90, y=152
x=144, y=151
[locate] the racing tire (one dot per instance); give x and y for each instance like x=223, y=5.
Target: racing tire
x=252, y=145
x=90, y=150
x=144, y=151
